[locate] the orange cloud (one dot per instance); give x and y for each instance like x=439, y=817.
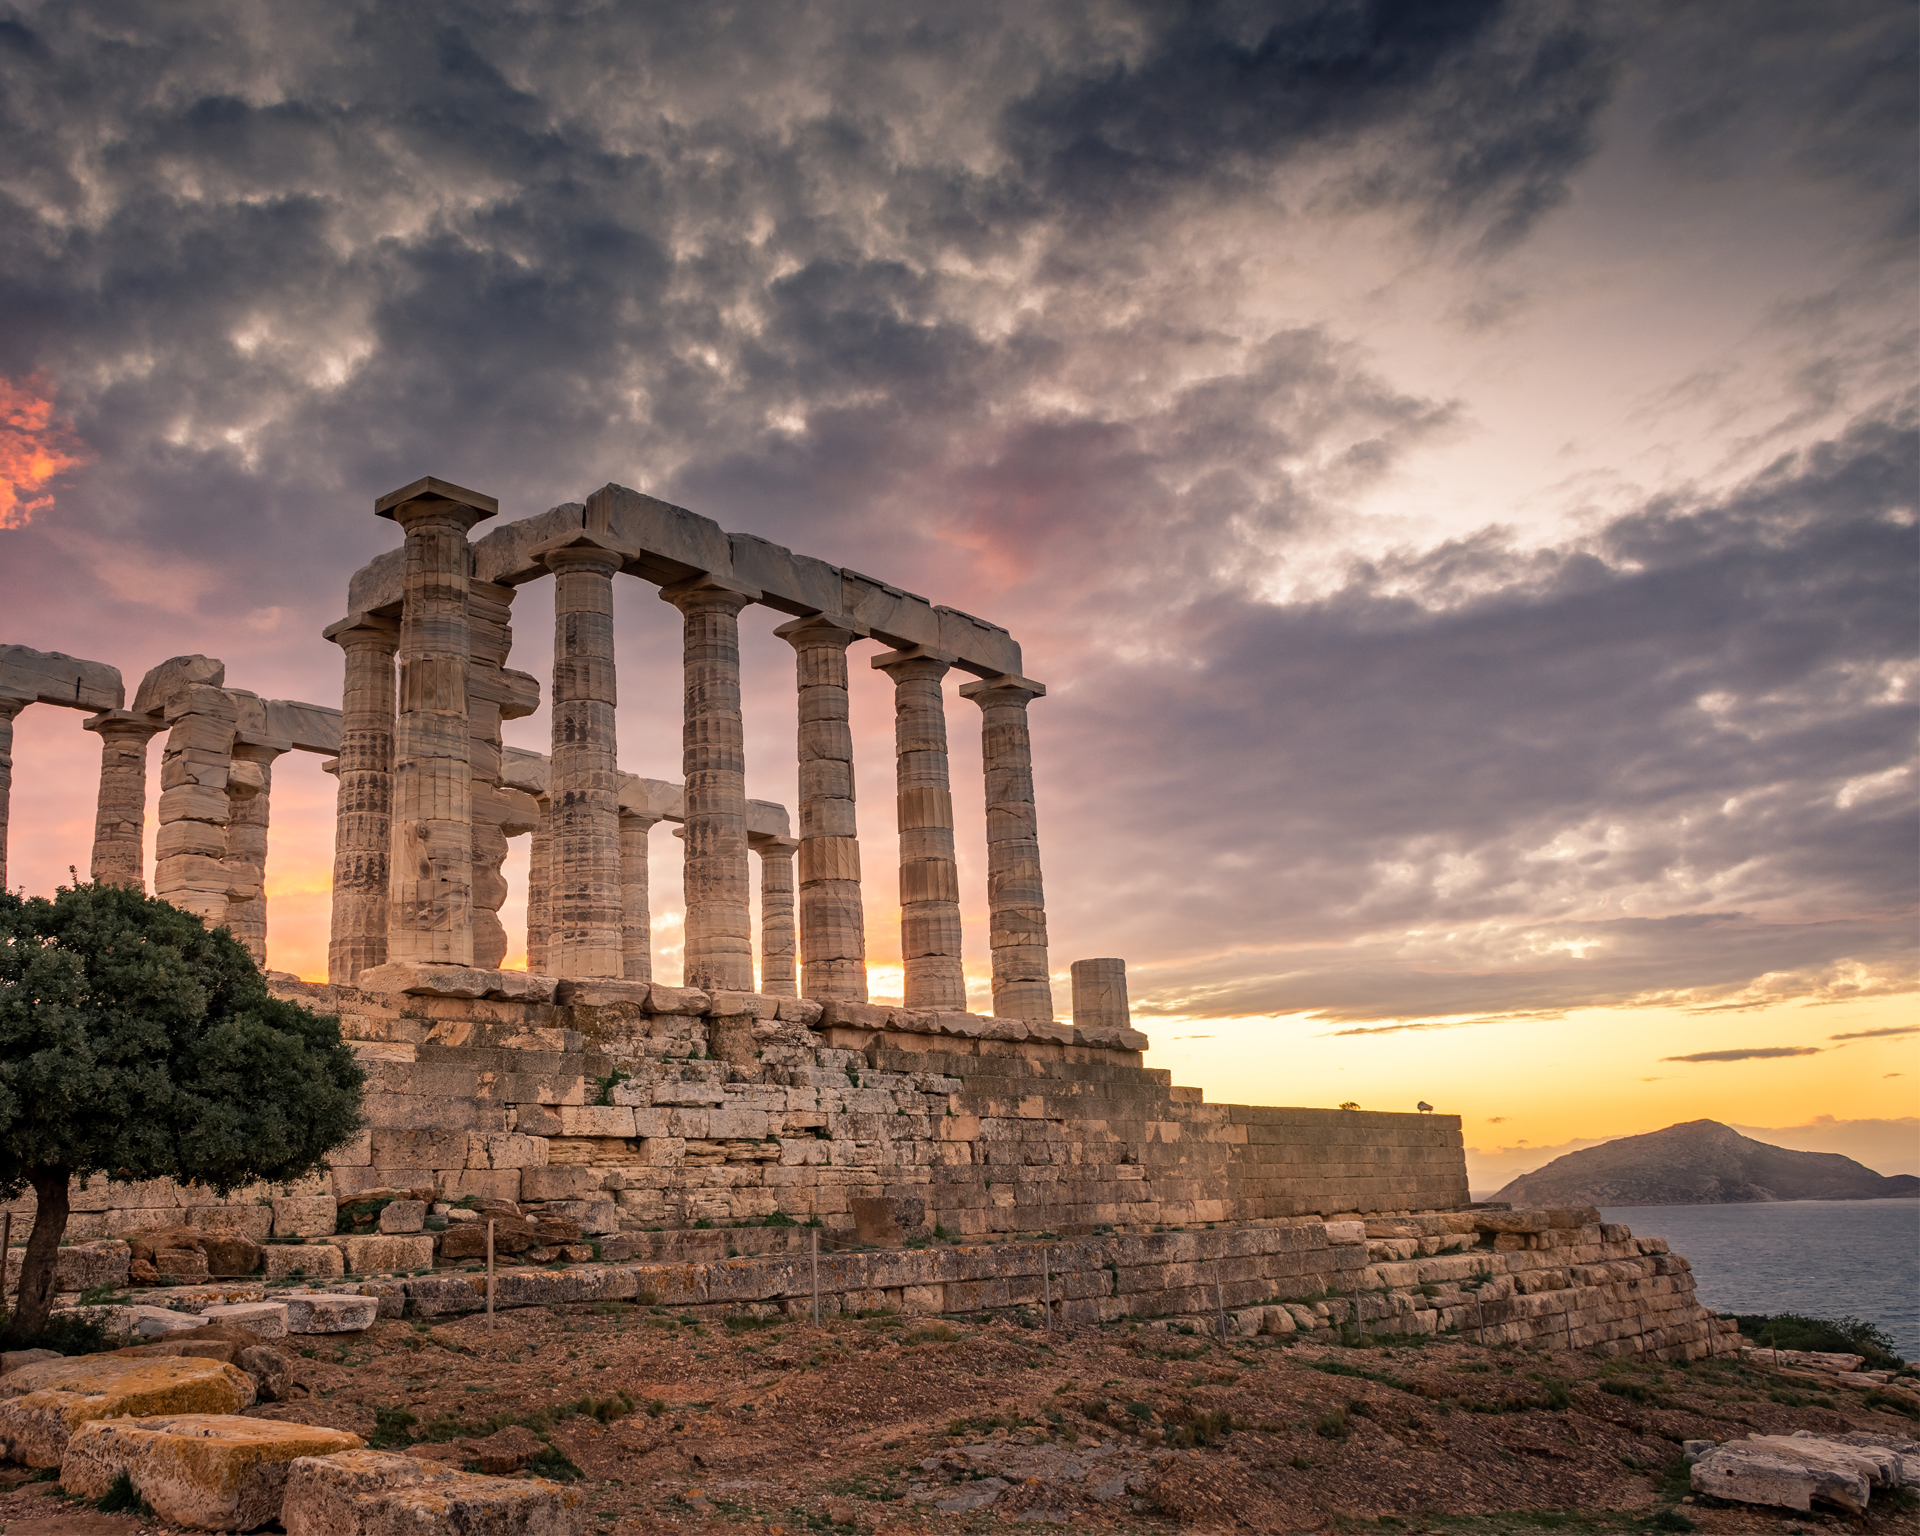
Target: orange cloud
x=34, y=447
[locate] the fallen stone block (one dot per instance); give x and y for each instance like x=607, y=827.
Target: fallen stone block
x=270, y=1371
x=1746, y=1474
x=210, y=1471
x=19, y=1359
x=78, y=1266
x=372, y=1493
x=41, y=1405
x=403, y=1217
x=328, y=1312
x=266, y=1319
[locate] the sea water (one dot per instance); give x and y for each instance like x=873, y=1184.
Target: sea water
x=1821, y=1258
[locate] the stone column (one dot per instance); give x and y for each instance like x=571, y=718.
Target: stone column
x=1016, y=904
x=776, y=915
x=119, y=823
x=489, y=638
x=190, y=850
x=249, y=797
x=431, y=870
x=929, y=879
x=363, y=809
x=1100, y=994
x=585, y=937
x=719, y=938
x=9, y=707
x=833, y=933
x=540, y=889
x=636, y=912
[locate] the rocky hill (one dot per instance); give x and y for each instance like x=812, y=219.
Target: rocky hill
x=1700, y=1162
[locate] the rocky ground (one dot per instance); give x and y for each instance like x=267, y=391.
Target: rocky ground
x=909, y=1425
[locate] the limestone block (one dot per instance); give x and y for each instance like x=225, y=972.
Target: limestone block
x=596, y=1120
x=208, y=1471
x=595, y=1216
x=266, y=1318
x=78, y=1266
x=253, y=1222
x=43, y=1404
x=403, y=1217
x=304, y=1216
x=304, y=1261
x=684, y=1000
x=505, y=1149
x=482, y=1183
x=561, y=1183
x=399, y=1147
x=1749, y=1474
x=372, y=1493
x=535, y=1120
x=328, y=1312
x=425, y=979
x=383, y=1253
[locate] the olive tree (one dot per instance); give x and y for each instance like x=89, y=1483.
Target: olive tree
x=136, y=1044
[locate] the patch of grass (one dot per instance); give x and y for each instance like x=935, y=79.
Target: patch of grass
x=552, y=1463
x=393, y=1429
x=1671, y=1520
x=938, y=1333
x=1632, y=1391
x=74, y=1333
x=748, y=1324
x=121, y=1495
x=1331, y=1425
x=1875, y=1398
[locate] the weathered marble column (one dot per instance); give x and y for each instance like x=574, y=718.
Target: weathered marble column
x=119, y=823
x=9, y=707
x=719, y=938
x=833, y=934
x=636, y=912
x=1100, y=994
x=431, y=874
x=363, y=810
x=493, y=694
x=929, y=878
x=249, y=794
x=1016, y=904
x=190, y=848
x=585, y=936
x=540, y=889
x=776, y=915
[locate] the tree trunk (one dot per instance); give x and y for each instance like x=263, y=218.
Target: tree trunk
x=35, y=1302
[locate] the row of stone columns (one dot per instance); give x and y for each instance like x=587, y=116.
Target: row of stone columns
x=591, y=860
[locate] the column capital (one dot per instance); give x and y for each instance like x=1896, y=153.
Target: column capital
x=430, y=496
x=364, y=629
x=921, y=658
x=582, y=550
x=121, y=722
x=12, y=703
x=820, y=629
x=645, y=818
x=707, y=591
x=1004, y=689
x=770, y=845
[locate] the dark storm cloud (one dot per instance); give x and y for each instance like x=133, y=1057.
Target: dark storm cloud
x=1661, y=761
x=909, y=289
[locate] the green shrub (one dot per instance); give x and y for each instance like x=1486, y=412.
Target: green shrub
x=122, y=1496
x=1846, y=1336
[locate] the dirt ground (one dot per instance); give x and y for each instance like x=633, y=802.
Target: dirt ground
x=899, y=1425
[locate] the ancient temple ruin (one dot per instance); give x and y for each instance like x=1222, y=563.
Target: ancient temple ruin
x=691, y=1133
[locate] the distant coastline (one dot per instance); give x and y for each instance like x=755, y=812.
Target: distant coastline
x=1700, y=1162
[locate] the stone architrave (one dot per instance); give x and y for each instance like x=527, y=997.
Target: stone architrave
x=719, y=936
x=833, y=936
x=1016, y=903
x=249, y=796
x=363, y=814
x=540, y=887
x=636, y=913
x=431, y=870
x=776, y=914
x=585, y=935
x=120, y=820
x=929, y=877
x=190, y=850
x=9, y=707
x=1100, y=995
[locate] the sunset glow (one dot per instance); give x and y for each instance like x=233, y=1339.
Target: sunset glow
x=35, y=446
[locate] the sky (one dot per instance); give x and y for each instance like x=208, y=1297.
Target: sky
x=1453, y=464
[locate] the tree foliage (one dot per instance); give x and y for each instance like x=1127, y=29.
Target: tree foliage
x=136, y=1044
